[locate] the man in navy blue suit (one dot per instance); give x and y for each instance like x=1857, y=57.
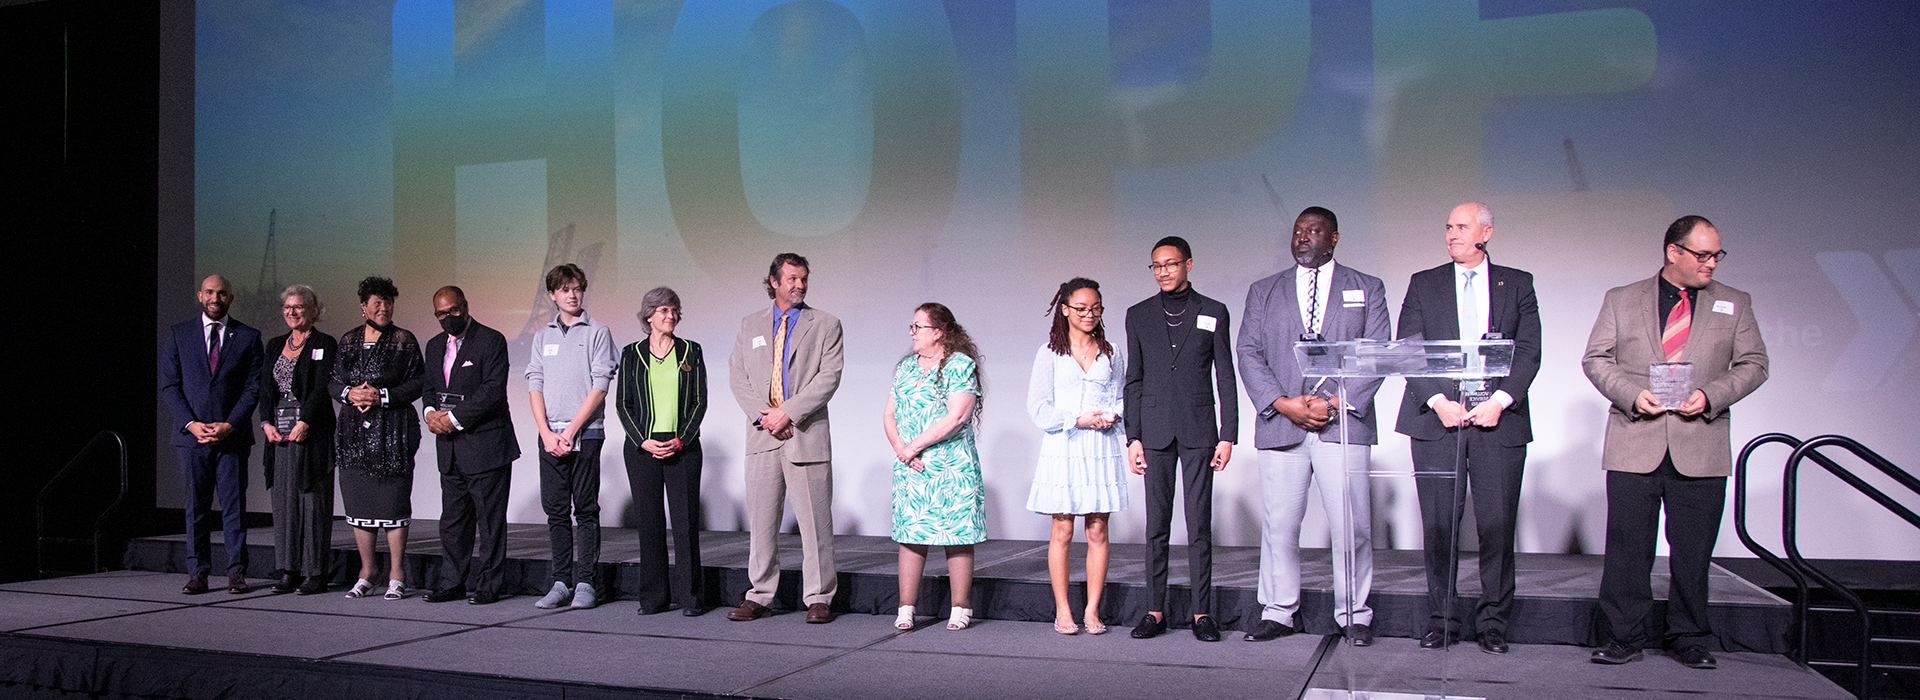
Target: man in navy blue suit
x=207, y=379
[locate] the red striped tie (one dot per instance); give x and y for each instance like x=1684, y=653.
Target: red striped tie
x=1679, y=320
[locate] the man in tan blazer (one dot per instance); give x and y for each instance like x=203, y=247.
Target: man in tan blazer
x=789, y=447
x=1679, y=457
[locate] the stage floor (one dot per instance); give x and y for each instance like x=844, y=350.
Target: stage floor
x=132, y=633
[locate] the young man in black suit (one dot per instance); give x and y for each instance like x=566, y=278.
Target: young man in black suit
x=1175, y=339
x=466, y=404
x=1489, y=429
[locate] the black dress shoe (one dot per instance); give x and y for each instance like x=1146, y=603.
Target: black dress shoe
x=1615, y=653
x=313, y=584
x=288, y=583
x=1149, y=627
x=1695, y=656
x=694, y=610
x=1205, y=629
x=483, y=598
x=446, y=595
x=1493, y=642
x=1434, y=639
x=654, y=609
x=1267, y=631
x=196, y=585
x=1360, y=635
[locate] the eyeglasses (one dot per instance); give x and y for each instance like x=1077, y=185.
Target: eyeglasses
x=1157, y=267
x=1094, y=310
x=456, y=311
x=1703, y=257
x=295, y=307
x=913, y=328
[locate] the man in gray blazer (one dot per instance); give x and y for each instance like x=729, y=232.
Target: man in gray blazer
x=784, y=368
x=1655, y=454
x=1298, y=428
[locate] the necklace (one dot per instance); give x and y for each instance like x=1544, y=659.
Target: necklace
x=297, y=347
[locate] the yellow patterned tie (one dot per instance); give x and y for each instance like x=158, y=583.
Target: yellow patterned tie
x=776, y=388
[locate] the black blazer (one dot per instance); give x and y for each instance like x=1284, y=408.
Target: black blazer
x=311, y=378
x=635, y=394
x=1431, y=311
x=485, y=441
x=1167, y=394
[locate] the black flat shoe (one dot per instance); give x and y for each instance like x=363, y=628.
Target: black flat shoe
x=1434, y=639
x=1615, y=653
x=1695, y=656
x=483, y=598
x=288, y=583
x=1205, y=629
x=694, y=610
x=446, y=595
x=311, y=586
x=1493, y=642
x=1149, y=627
x=1267, y=631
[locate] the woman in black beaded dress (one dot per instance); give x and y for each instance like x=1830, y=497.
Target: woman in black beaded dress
x=377, y=378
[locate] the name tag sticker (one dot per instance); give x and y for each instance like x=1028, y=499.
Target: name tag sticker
x=550, y=350
x=1205, y=323
x=759, y=341
x=1353, y=295
x=319, y=353
x=1723, y=307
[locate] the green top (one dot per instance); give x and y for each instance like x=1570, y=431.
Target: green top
x=663, y=391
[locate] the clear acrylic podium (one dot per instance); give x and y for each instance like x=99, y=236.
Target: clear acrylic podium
x=1464, y=360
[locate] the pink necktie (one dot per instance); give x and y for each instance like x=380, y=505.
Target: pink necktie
x=1679, y=322
x=453, y=350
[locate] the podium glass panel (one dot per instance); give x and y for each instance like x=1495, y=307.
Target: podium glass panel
x=1345, y=361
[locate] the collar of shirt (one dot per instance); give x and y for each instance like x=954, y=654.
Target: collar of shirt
x=792, y=315
x=206, y=321
x=557, y=322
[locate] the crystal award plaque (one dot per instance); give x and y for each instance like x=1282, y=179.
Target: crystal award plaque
x=1672, y=382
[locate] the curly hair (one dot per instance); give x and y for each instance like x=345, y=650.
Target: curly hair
x=954, y=340
x=1057, y=339
x=779, y=261
x=377, y=286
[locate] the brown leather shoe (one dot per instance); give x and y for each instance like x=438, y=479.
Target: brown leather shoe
x=196, y=585
x=819, y=614
x=237, y=584
x=747, y=611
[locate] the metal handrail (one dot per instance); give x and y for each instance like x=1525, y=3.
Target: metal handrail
x=1790, y=528
x=76, y=469
x=1799, y=651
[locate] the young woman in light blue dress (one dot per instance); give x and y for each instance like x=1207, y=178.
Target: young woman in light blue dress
x=1075, y=396
x=938, y=498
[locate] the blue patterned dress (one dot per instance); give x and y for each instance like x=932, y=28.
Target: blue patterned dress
x=946, y=504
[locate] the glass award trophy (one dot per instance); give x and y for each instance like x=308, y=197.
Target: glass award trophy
x=447, y=401
x=1672, y=382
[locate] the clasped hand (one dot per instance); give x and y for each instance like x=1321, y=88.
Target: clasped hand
x=1308, y=412
x=1454, y=414
x=1096, y=420
x=1649, y=405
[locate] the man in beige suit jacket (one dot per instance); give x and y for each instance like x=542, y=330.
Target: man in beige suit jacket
x=1679, y=457
x=789, y=446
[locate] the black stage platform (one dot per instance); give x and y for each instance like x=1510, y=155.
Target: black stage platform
x=133, y=634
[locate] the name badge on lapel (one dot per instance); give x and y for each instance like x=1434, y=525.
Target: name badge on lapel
x=1205, y=323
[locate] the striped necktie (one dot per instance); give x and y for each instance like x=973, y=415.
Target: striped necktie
x=1679, y=321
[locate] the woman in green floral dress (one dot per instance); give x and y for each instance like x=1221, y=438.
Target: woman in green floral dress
x=937, y=495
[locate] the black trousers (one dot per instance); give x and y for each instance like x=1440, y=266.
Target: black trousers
x=1694, y=506
x=1492, y=475
x=473, y=525
x=1196, y=472
x=679, y=476
x=570, y=495
x=207, y=472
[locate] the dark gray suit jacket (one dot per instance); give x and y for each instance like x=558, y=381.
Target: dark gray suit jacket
x=1431, y=311
x=485, y=440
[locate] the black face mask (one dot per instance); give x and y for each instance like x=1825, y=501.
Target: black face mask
x=454, y=325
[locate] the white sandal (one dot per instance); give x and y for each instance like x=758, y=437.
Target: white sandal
x=361, y=589
x=904, y=620
x=396, y=590
x=960, y=619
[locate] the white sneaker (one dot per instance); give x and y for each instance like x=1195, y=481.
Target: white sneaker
x=583, y=598
x=556, y=597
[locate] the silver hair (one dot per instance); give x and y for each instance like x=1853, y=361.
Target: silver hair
x=656, y=298
x=307, y=295
x=1484, y=216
